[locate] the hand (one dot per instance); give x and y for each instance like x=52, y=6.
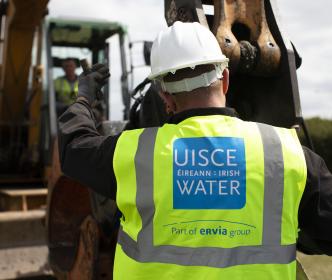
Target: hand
x=90, y=84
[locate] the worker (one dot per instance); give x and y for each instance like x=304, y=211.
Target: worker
x=66, y=86
x=207, y=195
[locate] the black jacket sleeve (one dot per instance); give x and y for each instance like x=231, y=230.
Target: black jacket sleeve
x=315, y=212
x=85, y=155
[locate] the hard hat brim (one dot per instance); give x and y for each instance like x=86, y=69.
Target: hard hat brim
x=153, y=76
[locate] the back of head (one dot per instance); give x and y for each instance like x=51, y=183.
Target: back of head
x=201, y=96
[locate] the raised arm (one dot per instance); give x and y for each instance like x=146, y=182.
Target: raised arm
x=85, y=155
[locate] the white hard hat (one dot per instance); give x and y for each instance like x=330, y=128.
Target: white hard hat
x=185, y=45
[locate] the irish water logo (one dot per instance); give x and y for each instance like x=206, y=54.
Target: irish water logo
x=209, y=173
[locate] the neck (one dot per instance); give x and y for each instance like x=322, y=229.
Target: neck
x=71, y=78
x=195, y=103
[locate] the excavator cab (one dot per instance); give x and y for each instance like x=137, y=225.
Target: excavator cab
x=80, y=39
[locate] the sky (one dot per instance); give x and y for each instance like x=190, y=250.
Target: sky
x=308, y=24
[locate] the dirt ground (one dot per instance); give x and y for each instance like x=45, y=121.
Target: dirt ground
x=316, y=267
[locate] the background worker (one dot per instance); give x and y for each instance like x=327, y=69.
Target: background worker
x=66, y=87
x=206, y=196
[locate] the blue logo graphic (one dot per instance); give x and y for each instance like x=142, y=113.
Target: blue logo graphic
x=209, y=173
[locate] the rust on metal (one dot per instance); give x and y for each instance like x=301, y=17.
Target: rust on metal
x=245, y=20
x=87, y=254
x=68, y=205
x=240, y=27
x=78, y=247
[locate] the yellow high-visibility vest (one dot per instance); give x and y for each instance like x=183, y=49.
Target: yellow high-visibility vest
x=66, y=93
x=212, y=197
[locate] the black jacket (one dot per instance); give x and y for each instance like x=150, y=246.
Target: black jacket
x=87, y=157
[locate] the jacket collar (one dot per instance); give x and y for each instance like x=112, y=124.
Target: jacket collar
x=179, y=117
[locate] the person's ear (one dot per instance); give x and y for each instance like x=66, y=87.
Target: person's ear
x=168, y=101
x=225, y=81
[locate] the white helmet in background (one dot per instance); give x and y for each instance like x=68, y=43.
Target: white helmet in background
x=186, y=45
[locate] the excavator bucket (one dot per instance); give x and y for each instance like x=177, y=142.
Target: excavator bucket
x=78, y=245
x=263, y=62
x=82, y=226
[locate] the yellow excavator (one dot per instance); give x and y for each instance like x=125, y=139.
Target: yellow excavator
x=81, y=225
x=32, y=49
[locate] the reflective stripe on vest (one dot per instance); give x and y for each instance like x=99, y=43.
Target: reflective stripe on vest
x=269, y=252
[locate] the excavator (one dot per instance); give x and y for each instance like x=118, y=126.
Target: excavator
x=81, y=225
x=32, y=49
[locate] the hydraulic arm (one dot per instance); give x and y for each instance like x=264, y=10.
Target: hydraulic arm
x=262, y=61
x=20, y=19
